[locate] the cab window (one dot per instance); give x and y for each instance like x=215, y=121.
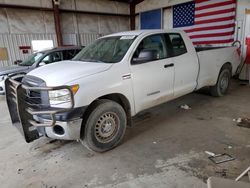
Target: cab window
x=153, y=42
x=69, y=54
x=175, y=44
x=52, y=57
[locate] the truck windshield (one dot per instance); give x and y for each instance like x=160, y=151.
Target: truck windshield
x=31, y=59
x=106, y=50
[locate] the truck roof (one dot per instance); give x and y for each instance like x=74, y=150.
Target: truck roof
x=146, y=31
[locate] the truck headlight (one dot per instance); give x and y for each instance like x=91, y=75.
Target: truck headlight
x=62, y=97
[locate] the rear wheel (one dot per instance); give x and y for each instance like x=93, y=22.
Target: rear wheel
x=223, y=83
x=105, y=126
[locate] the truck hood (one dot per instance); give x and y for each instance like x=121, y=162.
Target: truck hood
x=12, y=69
x=65, y=71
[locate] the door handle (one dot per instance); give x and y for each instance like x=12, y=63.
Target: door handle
x=168, y=65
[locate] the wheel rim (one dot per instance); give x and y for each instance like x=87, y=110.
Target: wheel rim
x=107, y=127
x=224, y=82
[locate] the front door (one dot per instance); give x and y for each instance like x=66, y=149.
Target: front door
x=153, y=80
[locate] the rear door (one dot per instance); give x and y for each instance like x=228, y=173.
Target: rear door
x=153, y=81
x=185, y=62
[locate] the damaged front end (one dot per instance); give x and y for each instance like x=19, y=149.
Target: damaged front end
x=28, y=100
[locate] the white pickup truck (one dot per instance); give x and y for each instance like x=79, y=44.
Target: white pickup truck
x=93, y=97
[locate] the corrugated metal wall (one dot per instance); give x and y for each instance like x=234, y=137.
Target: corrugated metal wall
x=13, y=41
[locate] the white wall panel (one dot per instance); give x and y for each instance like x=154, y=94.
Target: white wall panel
x=88, y=38
x=4, y=28
x=137, y=22
x=88, y=23
x=156, y=4
x=122, y=8
x=21, y=22
x=124, y=24
x=108, y=24
x=49, y=24
x=67, y=23
x=168, y=18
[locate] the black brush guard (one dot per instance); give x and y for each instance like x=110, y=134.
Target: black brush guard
x=23, y=107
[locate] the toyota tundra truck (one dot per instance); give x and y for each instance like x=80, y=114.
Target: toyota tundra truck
x=93, y=97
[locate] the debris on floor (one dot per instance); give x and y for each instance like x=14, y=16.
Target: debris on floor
x=219, y=158
x=19, y=171
x=185, y=107
x=238, y=120
x=223, y=172
x=245, y=122
x=245, y=172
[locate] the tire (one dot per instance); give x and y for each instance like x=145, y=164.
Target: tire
x=105, y=126
x=223, y=83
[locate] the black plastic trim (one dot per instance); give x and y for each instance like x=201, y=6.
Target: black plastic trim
x=73, y=114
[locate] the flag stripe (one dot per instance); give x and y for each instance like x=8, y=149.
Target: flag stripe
x=210, y=28
x=215, y=12
x=215, y=9
x=214, y=5
x=215, y=20
x=211, y=32
x=212, y=35
x=208, y=2
x=207, y=25
x=226, y=15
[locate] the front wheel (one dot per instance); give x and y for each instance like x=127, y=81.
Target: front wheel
x=105, y=126
x=223, y=83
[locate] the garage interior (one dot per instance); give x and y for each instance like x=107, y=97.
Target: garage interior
x=167, y=146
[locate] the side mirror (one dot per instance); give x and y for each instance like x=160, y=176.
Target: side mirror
x=17, y=62
x=42, y=64
x=145, y=56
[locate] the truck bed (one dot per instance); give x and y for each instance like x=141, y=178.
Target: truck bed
x=210, y=58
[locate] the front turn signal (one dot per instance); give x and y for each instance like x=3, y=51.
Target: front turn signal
x=74, y=88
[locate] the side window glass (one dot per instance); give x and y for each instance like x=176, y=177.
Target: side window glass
x=155, y=43
x=69, y=54
x=177, y=44
x=52, y=57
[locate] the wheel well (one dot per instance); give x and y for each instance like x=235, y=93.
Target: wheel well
x=227, y=65
x=119, y=98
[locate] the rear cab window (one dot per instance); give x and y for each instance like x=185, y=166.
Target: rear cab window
x=70, y=54
x=175, y=44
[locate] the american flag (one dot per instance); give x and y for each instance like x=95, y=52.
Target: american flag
x=206, y=21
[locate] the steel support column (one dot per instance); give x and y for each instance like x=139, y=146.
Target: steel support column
x=57, y=23
x=132, y=16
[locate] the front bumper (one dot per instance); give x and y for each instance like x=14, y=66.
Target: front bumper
x=31, y=113
x=2, y=87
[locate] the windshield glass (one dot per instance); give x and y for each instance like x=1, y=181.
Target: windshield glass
x=106, y=50
x=31, y=59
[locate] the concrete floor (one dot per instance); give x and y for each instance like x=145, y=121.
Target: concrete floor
x=165, y=148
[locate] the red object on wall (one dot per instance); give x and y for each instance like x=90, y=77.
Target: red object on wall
x=24, y=47
x=248, y=50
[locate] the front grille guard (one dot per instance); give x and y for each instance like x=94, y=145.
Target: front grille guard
x=22, y=112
